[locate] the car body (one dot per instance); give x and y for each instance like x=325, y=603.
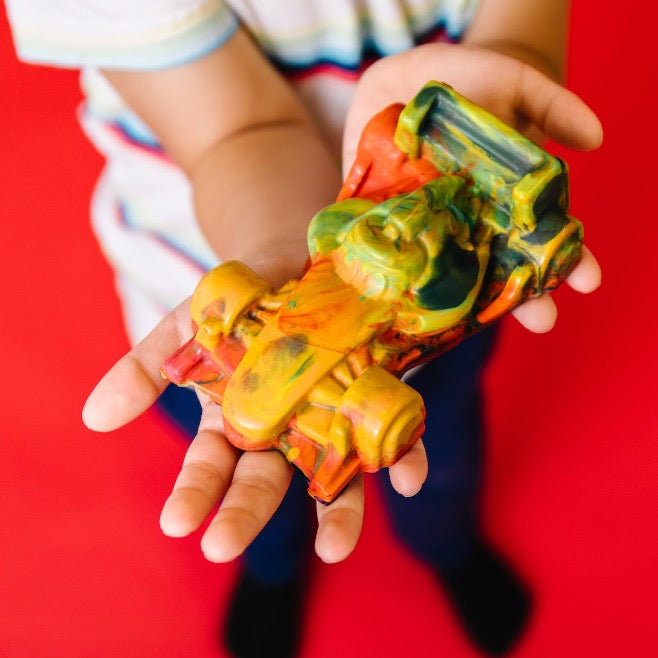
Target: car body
x=447, y=221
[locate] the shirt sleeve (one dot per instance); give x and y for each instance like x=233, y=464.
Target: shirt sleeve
x=118, y=34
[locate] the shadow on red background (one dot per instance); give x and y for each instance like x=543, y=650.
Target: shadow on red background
x=572, y=479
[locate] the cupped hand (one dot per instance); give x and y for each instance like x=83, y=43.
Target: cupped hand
x=249, y=486
x=515, y=92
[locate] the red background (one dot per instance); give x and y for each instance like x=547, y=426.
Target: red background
x=571, y=486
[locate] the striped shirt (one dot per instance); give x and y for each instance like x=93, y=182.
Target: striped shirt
x=142, y=208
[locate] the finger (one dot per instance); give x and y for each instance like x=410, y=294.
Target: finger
x=259, y=483
x=134, y=382
x=538, y=314
x=339, y=524
x=410, y=472
x=558, y=112
x=586, y=276
x=204, y=478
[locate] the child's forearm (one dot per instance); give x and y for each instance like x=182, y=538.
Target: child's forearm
x=256, y=192
x=257, y=165
x=532, y=31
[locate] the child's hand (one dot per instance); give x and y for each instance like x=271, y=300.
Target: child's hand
x=249, y=485
x=515, y=92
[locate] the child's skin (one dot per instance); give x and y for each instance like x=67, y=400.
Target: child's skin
x=260, y=170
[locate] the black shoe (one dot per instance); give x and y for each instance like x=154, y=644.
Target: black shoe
x=264, y=620
x=492, y=603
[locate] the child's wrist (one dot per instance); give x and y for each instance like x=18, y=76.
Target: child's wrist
x=276, y=264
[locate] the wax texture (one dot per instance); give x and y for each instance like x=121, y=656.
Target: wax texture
x=447, y=221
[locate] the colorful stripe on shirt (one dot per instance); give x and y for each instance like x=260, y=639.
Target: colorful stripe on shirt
x=336, y=66
x=126, y=221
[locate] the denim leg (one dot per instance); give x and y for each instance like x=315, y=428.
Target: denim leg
x=181, y=406
x=279, y=551
x=440, y=523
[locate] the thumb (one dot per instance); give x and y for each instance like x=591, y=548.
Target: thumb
x=557, y=112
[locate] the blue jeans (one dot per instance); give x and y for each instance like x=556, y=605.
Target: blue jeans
x=438, y=524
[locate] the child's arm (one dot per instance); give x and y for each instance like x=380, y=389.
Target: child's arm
x=532, y=32
x=258, y=167
x=259, y=173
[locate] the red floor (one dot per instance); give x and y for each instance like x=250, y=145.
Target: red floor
x=572, y=481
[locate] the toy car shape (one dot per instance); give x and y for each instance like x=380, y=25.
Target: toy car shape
x=447, y=220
